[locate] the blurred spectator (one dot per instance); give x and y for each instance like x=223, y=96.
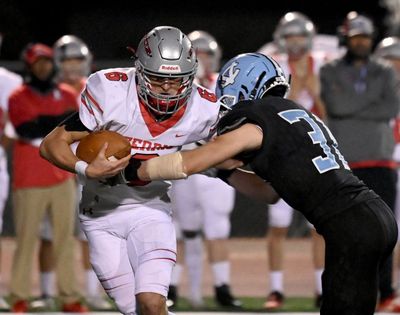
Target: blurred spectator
x=35, y=109
x=293, y=38
x=202, y=205
x=9, y=81
x=389, y=49
x=361, y=97
x=73, y=62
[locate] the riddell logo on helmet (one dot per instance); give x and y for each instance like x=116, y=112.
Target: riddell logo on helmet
x=170, y=68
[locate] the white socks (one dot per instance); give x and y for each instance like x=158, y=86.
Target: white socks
x=318, y=280
x=47, y=283
x=176, y=274
x=221, y=272
x=194, y=263
x=276, y=279
x=92, y=283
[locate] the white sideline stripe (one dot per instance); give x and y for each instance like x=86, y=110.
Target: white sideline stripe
x=178, y=313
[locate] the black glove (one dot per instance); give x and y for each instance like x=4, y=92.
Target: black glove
x=225, y=174
x=127, y=175
x=130, y=172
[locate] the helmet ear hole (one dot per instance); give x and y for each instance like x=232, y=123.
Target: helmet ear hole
x=279, y=90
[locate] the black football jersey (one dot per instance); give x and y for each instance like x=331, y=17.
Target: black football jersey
x=299, y=157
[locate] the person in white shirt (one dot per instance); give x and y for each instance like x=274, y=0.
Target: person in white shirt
x=9, y=81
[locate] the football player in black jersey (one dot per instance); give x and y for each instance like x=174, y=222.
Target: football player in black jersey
x=297, y=158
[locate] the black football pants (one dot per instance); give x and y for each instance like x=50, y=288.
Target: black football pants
x=383, y=182
x=358, y=240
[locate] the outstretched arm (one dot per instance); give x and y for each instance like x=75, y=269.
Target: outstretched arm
x=182, y=164
x=252, y=186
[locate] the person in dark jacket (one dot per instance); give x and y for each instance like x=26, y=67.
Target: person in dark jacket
x=361, y=98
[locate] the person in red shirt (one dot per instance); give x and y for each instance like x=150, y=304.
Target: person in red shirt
x=73, y=61
x=39, y=187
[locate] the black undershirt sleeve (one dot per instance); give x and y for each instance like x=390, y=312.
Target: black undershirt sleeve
x=40, y=126
x=73, y=123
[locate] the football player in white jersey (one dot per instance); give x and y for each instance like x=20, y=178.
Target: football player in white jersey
x=293, y=38
x=9, y=81
x=202, y=205
x=158, y=108
x=73, y=61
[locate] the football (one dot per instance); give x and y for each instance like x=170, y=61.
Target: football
x=89, y=146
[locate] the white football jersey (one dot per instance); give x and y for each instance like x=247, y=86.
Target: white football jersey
x=9, y=81
x=209, y=82
x=110, y=101
x=325, y=48
x=317, y=60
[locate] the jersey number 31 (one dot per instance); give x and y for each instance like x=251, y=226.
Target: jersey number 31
x=322, y=164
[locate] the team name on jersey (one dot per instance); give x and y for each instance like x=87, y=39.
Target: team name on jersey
x=146, y=145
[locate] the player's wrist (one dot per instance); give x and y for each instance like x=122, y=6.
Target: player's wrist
x=224, y=174
x=80, y=170
x=130, y=173
x=127, y=175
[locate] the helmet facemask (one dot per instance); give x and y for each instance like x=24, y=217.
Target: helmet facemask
x=164, y=103
x=72, y=70
x=297, y=45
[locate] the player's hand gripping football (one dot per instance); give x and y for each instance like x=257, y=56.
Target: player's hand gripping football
x=101, y=167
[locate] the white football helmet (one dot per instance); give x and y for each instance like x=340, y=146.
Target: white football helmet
x=71, y=47
x=389, y=47
x=291, y=24
x=205, y=42
x=165, y=52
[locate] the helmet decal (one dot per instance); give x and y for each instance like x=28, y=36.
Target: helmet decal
x=250, y=76
x=229, y=75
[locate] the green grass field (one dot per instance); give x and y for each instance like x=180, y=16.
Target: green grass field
x=250, y=304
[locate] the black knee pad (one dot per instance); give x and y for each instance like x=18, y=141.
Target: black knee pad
x=191, y=234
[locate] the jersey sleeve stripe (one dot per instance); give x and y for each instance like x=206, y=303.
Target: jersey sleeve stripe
x=93, y=101
x=83, y=101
